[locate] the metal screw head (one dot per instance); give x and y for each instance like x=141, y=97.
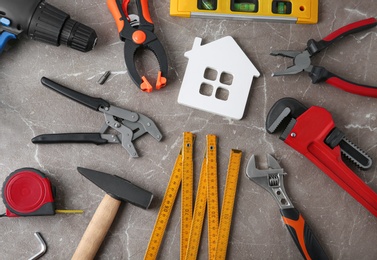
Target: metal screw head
x=117, y=125
x=293, y=135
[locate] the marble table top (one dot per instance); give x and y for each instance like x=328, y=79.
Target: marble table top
x=345, y=229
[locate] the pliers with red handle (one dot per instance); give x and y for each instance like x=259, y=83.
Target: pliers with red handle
x=302, y=61
x=312, y=132
x=137, y=37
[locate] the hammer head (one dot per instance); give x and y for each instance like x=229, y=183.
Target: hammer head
x=118, y=188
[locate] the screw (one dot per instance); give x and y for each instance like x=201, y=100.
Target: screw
x=104, y=77
x=293, y=135
x=117, y=125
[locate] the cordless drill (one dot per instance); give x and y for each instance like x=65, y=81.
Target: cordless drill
x=43, y=22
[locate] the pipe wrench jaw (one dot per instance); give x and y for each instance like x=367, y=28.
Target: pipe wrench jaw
x=316, y=125
x=270, y=179
x=283, y=115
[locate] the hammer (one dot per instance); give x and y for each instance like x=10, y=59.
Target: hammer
x=118, y=190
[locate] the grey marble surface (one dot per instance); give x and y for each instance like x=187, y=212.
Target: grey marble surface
x=345, y=229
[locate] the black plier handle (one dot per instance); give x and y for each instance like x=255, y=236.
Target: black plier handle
x=139, y=37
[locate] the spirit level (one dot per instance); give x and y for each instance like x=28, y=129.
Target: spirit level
x=291, y=11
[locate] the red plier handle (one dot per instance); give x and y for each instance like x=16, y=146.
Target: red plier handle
x=320, y=74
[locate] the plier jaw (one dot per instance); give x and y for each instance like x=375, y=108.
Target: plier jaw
x=302, y=60
x=137, y=37
x=312, y=132
x=128, y=125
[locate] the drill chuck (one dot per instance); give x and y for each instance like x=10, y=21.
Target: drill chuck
x=51, y=25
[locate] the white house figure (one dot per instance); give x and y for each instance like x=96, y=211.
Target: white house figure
x=218, y=78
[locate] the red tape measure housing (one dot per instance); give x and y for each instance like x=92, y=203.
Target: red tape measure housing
x=28, y=192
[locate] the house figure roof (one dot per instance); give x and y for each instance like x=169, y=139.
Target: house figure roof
x=218, y=78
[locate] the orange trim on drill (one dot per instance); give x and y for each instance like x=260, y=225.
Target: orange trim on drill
x=139, y=37
x=146, y=86
x=298, y=226
x=145, y=10
x=161, y=81
x=114, y=10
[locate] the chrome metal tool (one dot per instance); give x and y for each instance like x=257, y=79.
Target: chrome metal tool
x=271, y=179
x=129, y=125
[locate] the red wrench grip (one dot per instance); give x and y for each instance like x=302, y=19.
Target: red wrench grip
x=310, y=131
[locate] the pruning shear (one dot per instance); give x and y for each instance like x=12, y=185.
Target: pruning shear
x=137, y=36
x=312, y=132
x=129, y=125
x=302, y=60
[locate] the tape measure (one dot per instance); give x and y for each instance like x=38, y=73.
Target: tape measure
x=207, y=193
x=28, y=192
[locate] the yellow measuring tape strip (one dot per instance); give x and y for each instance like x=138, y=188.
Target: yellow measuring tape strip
x=212, y=195
x=191, y=226
x=228, y=204
x=165, y=210
x=187, y=190
x=199, y=213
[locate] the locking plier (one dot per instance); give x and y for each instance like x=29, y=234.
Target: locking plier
x=312, y=132
x=129, y=125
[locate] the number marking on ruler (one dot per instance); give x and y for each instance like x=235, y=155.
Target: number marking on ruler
x=199, y=213
x=212, y=195
x=207, y=197
x=228, y=204
x=187, y=190
x=165, y=210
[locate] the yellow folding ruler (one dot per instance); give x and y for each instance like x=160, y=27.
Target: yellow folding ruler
x=192, y=223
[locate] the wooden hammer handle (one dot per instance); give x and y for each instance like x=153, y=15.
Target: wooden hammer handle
x=97, y=229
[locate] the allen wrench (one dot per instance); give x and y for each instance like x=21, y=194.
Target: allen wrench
x=43, y=246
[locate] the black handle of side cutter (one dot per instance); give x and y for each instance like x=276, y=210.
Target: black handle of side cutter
x=315, y=47
x=93, y=138
x=302, y=234
x=93, y=103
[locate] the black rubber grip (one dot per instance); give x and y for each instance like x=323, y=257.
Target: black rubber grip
x=93, y=103
x=302, y=234
x=94, y=138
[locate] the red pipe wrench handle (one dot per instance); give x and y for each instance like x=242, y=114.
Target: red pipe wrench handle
x=302, y=235
x=307, y=137
x=320, y=74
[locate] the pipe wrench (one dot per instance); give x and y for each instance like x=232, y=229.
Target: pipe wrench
x=312, y=132
x=271, y=179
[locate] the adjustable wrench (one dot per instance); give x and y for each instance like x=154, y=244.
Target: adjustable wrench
x=271, y=179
